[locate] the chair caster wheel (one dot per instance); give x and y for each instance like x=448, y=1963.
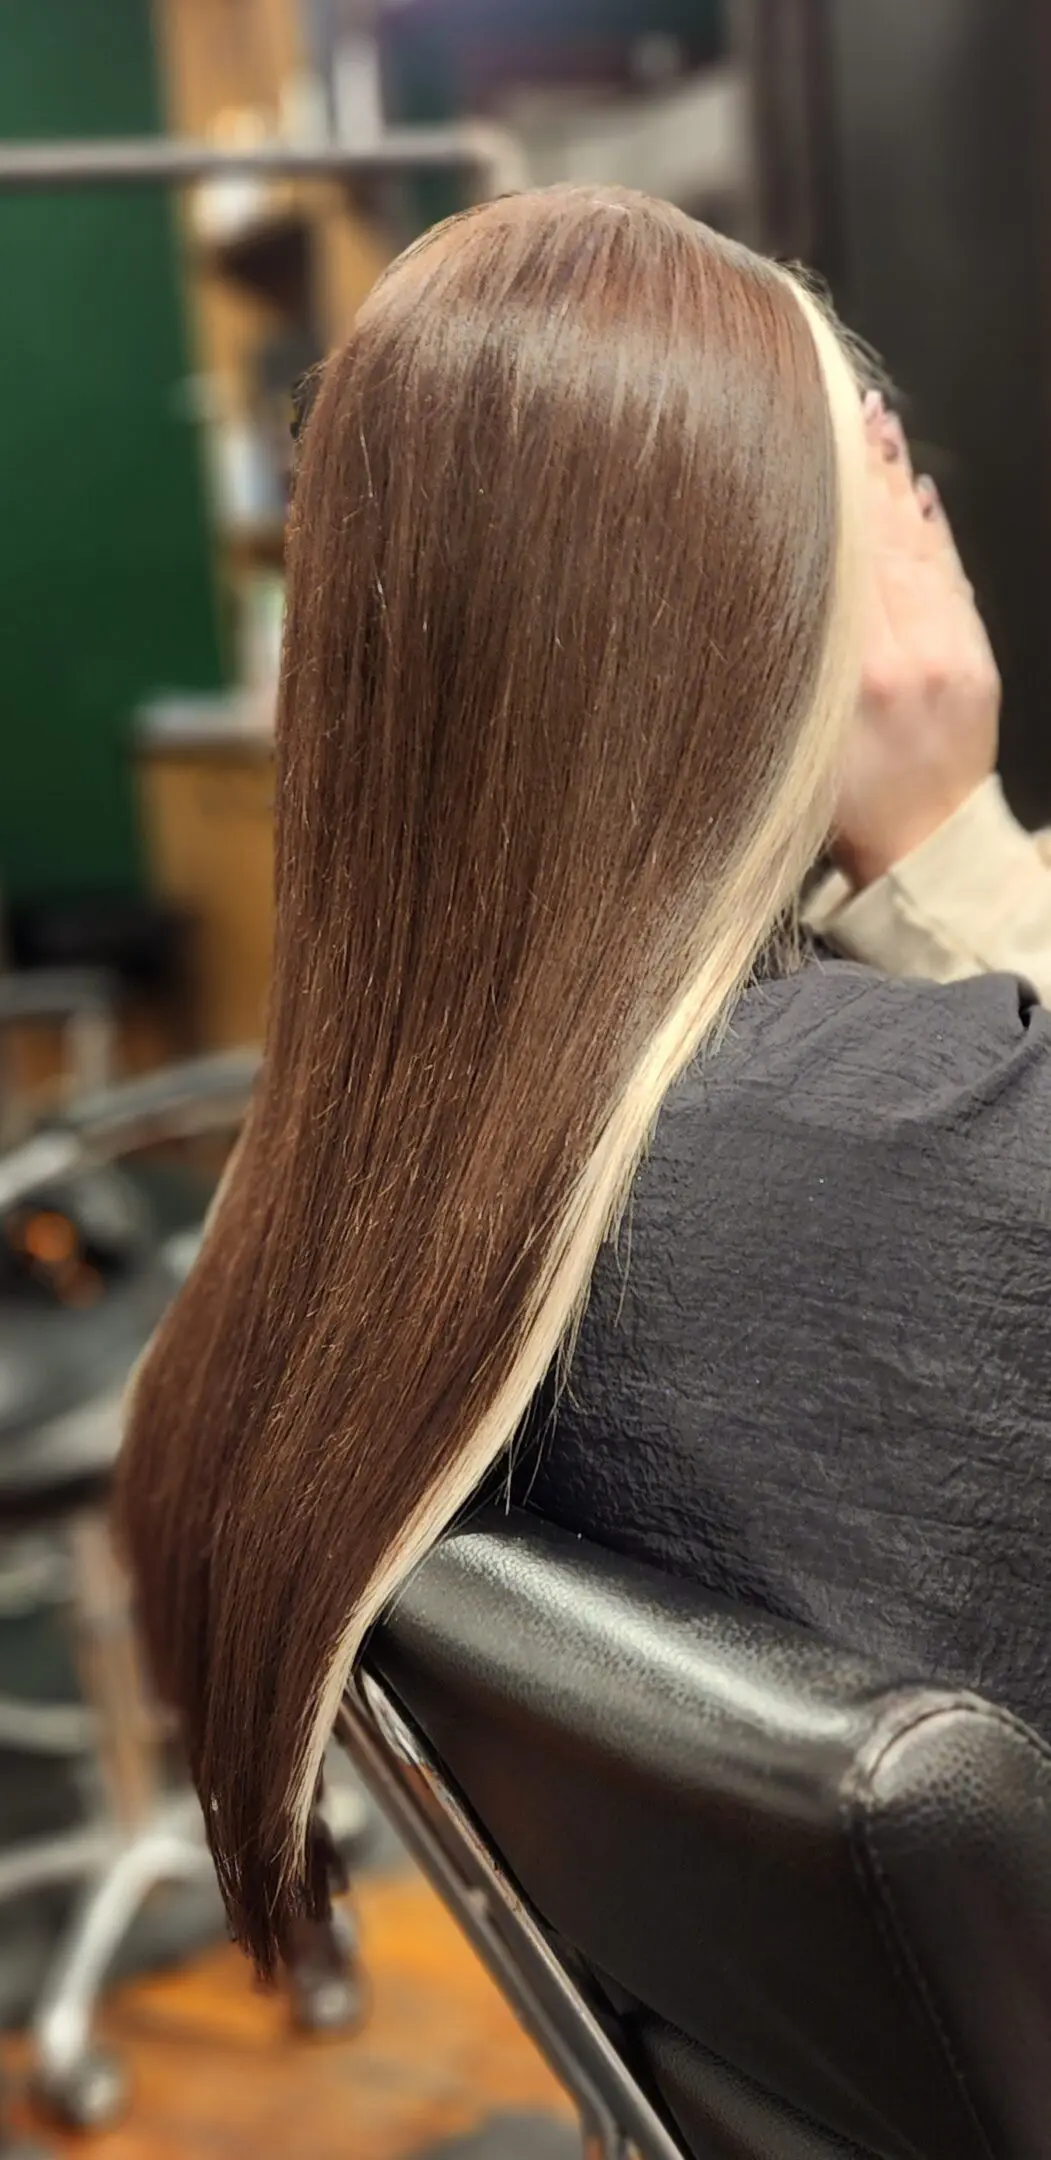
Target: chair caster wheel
x=325, y=1988
x=89, y=2095
x=328, y=2006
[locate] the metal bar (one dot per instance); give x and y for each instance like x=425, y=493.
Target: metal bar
x=128, y=1743
x=381, y=1765
x=39, y=1162
x=72, y=1856
x=207, y=1095
x=160, y=159
x=54, y=994
x=45, y=1729
x=408, y=1784
x=170, y=1848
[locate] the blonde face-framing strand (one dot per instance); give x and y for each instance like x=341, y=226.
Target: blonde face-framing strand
x=575, y=579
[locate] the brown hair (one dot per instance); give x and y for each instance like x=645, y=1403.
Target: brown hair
x=571, y=637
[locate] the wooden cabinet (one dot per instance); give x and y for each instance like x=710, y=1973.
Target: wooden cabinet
x=278, y=276
x=281, y=274
x=208, y=816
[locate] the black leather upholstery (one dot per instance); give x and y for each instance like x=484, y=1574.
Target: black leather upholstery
x=826, y=1886
x=721, y=2115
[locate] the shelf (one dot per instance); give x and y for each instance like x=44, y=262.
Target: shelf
x=255, y=547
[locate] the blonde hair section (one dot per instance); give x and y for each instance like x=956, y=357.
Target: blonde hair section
x=788, y=834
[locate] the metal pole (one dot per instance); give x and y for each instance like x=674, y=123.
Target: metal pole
x=487, y=154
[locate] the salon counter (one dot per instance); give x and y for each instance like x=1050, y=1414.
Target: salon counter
x=206, y=797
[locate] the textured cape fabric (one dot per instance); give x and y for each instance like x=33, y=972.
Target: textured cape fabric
x=815, y=1372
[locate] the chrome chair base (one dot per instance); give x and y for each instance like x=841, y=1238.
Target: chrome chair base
x=143, y=1838
x=68, y=2075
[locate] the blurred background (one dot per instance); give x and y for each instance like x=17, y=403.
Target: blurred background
x=150, y=339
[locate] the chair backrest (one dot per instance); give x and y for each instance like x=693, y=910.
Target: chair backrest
x=817, y=1892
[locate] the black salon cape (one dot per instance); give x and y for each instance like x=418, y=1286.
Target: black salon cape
x=815, y=1372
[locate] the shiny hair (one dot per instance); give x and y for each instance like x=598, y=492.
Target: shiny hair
x=572, y=638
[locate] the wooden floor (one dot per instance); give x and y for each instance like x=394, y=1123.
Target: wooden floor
x=219, y=2076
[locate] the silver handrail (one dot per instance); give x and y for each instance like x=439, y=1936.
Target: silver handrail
x=486, y=154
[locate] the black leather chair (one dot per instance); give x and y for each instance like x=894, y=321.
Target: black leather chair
x=753, y=1897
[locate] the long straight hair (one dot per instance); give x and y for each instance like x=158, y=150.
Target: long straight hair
x=572, y=636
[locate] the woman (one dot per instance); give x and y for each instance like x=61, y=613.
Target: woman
x=579, y=573
x=834, y=1403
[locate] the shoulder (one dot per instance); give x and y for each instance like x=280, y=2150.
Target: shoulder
x=871, y=1153
x=838, y=1041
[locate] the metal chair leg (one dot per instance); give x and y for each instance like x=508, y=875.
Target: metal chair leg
x=325, y=1983
x=151, y=1842
x=111, y=1676
x=617, y=2118
x=323, y=1966
x=603, y=2142
x=72, y=2079
x=147, y=1841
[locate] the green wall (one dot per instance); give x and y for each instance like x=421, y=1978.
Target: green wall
x=106, y=588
